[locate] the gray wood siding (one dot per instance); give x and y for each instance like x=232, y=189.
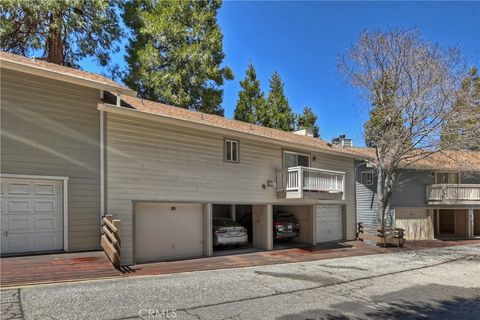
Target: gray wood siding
x=410, y=189
x=151, y=161
x=52, y=128
x=366, y=197
x=408, y=192
x=338, y=163
x=470, y=178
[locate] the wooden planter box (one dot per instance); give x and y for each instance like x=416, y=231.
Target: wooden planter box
x=381, y=236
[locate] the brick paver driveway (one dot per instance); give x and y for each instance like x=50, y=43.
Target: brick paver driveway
x=41, y=269
x=440, y=283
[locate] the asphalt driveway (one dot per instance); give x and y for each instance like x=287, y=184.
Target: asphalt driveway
x=442, y=283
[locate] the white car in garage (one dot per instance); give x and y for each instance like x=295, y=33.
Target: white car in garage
x=228, y=232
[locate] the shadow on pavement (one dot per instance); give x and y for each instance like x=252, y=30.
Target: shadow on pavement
x=425, y=302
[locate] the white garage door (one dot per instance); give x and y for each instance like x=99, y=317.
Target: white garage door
x=167, y=231
x=329, y=223
x=32, y=215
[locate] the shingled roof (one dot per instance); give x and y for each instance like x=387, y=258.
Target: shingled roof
x=451, y=160
x=56, y=69
x=442, y=160
x=234, y=125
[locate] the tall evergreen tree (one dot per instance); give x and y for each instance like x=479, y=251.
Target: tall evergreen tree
x=385, y=117
x=250, y=98
x=64, y=31
x=308, y=119
x=462, y=129
x=175, y=53
x=277, y=112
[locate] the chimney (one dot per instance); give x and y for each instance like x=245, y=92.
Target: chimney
x=308, y=132
x=343, y=141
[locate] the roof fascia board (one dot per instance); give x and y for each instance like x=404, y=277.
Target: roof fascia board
x=205, y=127
x=11, y=65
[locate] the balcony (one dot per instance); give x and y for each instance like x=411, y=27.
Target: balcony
x=306, y=182
x=453, y=194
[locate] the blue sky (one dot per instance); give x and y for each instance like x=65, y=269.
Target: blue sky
x=301, y=41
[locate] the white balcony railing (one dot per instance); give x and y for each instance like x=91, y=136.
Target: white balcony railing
x=453, y=194
x=300, y=179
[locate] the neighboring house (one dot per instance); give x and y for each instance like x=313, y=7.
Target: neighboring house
x=436, y=197
x=75, y=145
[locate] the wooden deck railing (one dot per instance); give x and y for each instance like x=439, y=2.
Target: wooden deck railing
x=300, y=179
x=453, y=194
x=110, y=239
x=381, y=236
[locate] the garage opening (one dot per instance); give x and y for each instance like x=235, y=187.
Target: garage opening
x=292, y=226
x=233, y=230
x=452, y=223
x=476, y=222
x=168, y=231
x=446, y=222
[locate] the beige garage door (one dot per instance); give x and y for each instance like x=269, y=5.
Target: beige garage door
x=32, y=215
x=417, y=223
x=168, y=231
x=329, y=226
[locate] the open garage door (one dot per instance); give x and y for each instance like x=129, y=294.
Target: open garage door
x=329, y=225
x=168, y=231
x=476, y=222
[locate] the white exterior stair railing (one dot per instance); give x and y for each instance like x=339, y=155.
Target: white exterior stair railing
x=300, y=179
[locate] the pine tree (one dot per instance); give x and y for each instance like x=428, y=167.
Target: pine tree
x=64, y=31
x=250, y=98
x=308, y=119
x=462, y=129
x=277, y=112
x=385, y=117
x=175, y=53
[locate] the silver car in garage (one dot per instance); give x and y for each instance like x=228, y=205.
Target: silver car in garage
x=228, y=232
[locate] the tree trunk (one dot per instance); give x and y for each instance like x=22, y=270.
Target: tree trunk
x=380, y=194
x=385, y=181
x=54, y=39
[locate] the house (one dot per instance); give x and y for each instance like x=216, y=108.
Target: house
x=75, y=145
x=433, y=197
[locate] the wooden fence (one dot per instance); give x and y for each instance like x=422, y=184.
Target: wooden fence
x=381, y=236
x=110, y=239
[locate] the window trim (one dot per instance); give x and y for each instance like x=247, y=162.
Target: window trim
x=365, y=182
x=296, y=153
x=458, y=173
x=237, y=142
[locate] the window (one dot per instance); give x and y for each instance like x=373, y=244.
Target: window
x=367, y=177
x=231, y=150
x=448, y=177
x=293, y=159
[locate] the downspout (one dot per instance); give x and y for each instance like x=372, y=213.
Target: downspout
x=102, y=162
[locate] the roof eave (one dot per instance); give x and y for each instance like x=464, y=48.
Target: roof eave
x=51, y=74
x=210, y=128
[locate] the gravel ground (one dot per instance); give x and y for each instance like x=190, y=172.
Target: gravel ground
x=436, y=283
